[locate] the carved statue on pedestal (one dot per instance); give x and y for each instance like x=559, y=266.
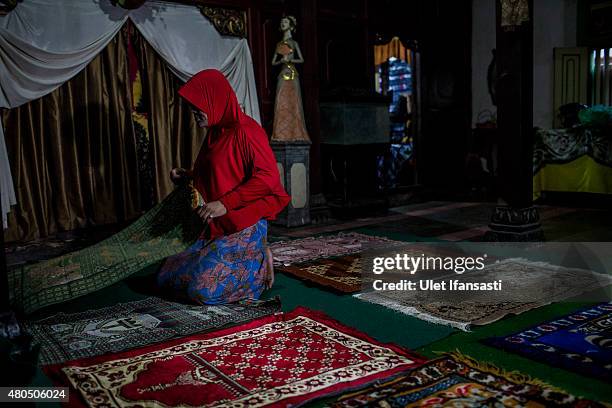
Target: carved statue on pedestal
x=289, y=123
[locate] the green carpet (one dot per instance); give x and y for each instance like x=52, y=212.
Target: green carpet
x=377, y=321
x=383, y=324
x=469, y=344
x=387, y=326
x=380, y=323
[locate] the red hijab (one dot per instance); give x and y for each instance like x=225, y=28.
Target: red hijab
x=235, y=164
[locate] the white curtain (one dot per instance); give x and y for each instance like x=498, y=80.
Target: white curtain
x=178, y=33
x=6, y=181
x=44, y=43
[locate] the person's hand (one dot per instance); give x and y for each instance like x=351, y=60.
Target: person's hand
x=178, y=175
x=211, y=210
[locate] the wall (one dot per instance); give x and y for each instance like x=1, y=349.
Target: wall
x=554, y=26
x=337, y=38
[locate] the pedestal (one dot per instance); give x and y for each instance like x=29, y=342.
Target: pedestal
x=292, y=159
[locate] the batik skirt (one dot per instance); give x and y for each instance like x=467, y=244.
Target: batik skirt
x=223, y=270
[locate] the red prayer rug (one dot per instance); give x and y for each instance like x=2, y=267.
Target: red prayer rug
x=274, y=361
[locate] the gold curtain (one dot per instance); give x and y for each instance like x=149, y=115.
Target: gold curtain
x=175, y=137
x=394, y=48
x=73, y=152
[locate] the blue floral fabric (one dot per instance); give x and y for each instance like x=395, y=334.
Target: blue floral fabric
x=226, y=269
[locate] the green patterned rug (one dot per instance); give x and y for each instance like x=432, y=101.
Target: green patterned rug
x=168, y=228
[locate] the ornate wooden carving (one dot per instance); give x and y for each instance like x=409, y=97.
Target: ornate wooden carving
x=227, y=21
x=514, y=13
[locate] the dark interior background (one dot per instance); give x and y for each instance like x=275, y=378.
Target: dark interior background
x=337, y=38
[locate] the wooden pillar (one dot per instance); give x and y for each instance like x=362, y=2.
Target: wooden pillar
x=515, y=219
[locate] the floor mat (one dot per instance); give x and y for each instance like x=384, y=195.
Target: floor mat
x=166, y=229
x=341, y=273
x=540, y=284
x=308, y=249
x=282, y=360
x=125, y=326
x=579, y=341
x=456, y=380
x=470, y=343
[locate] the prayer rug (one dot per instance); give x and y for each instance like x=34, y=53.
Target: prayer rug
x=345, y=273
x=276, y=361
x=341, y=273
x=327, y=246
x=539, y=283
x=168, y=228
x=459, y=381
x=578, y=341
x=129, y=325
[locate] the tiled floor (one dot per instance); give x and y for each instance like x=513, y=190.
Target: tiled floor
x=456, y=221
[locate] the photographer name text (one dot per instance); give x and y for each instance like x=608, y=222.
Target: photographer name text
x=435, y=285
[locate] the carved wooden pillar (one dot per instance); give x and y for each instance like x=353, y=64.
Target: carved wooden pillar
x=516, y=219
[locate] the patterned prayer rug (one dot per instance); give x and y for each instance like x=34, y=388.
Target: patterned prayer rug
x=540, y=284
x=276, y=361
x=580, y=341
x=459, y=381
x=345, y=273
x=166, y=229
x=341, y=273
x=129, y=325
x=311, y=248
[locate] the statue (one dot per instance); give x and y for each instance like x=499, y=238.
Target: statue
x=289, y=123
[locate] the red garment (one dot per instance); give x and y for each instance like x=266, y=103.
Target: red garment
x=235, y=164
